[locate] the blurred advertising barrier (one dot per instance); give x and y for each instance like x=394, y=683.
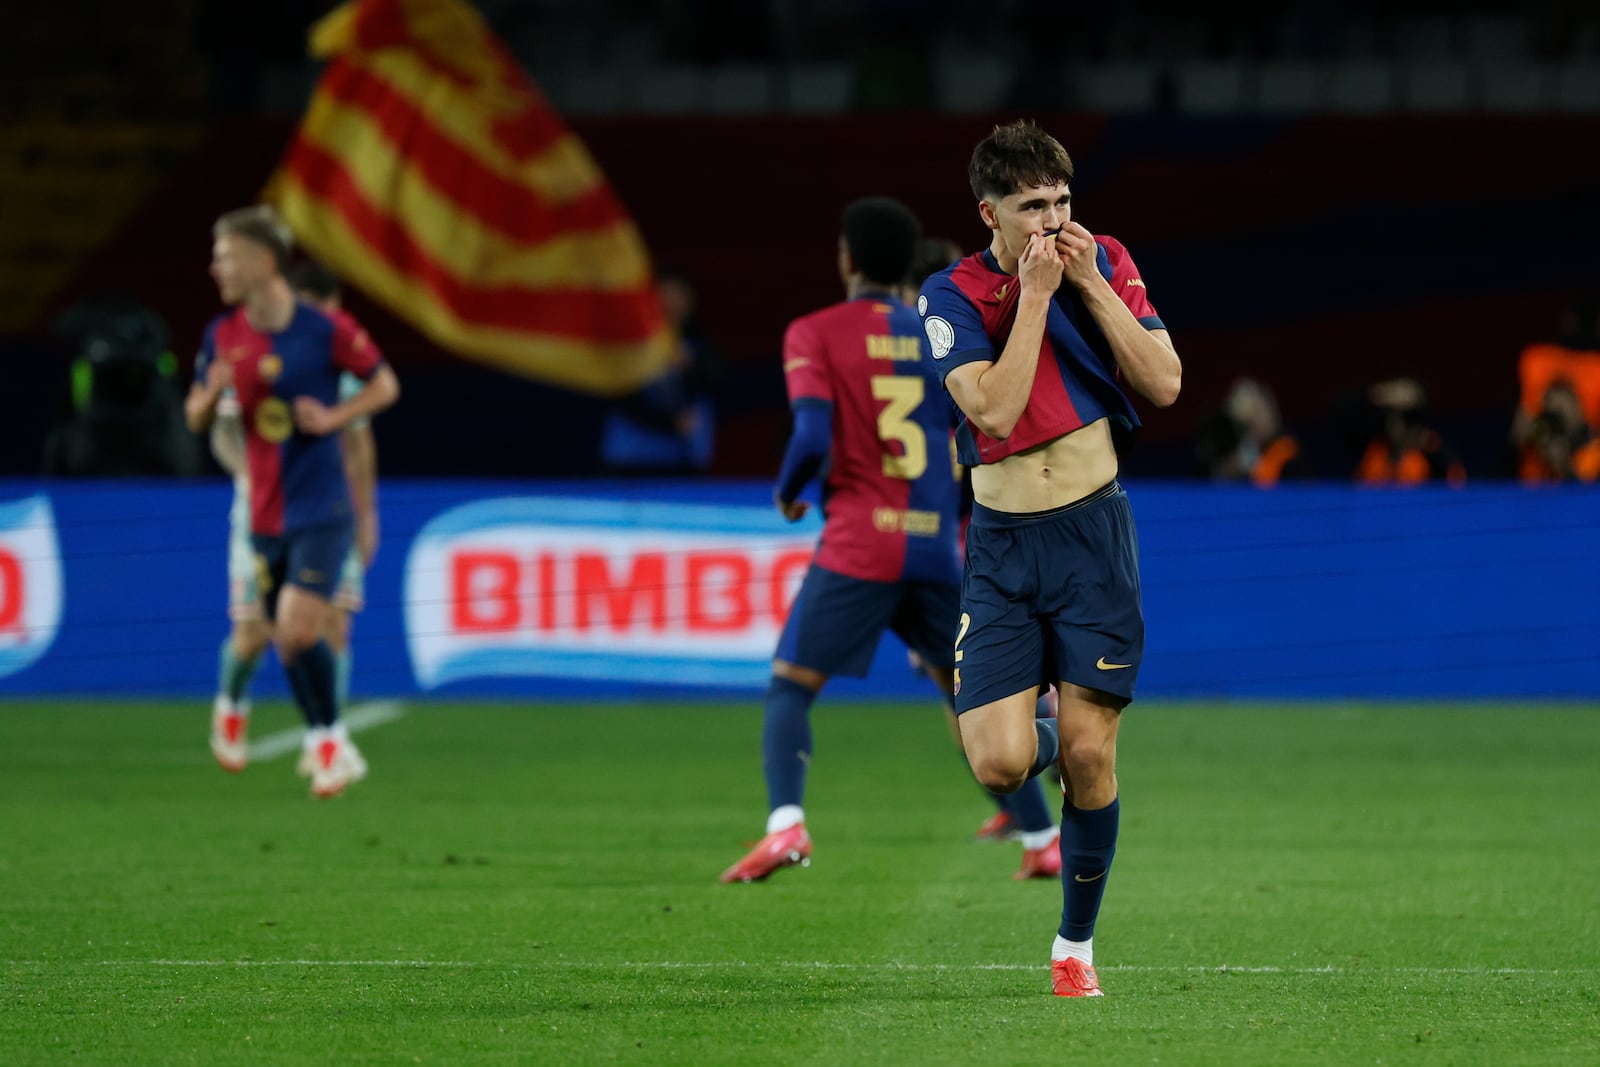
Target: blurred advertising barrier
x=30, y=582
x=566, y=587
x=580, y=589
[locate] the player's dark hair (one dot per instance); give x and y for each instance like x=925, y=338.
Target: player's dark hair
x=1015, y=156
x=261, y=225
x=309, y=276
x=881, y=234
x=934, y=254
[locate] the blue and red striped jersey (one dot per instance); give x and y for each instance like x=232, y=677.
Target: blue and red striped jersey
x=296, y=479
x=968, y=310
x=890, y=493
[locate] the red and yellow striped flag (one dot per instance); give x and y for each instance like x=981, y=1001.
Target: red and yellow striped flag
x=431, y=173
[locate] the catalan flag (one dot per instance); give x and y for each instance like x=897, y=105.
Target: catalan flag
x=432, y=173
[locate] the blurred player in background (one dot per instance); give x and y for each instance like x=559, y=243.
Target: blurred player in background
x=316, y=284
x=281, y=359
x=869, y=419
x=1035, y=338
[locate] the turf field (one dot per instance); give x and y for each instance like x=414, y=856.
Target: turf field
x=537, y=885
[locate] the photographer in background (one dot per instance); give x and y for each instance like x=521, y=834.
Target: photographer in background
x=1389, y=427
x=1559, y=446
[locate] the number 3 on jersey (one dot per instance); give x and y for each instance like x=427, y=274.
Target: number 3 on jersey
x=903, y=393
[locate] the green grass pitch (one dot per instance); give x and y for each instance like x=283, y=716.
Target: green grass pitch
x=1319, y=883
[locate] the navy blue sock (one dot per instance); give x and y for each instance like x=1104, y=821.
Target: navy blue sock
x=1088, y=841
x=1027, y=807
x=1049, y=746
x=313, y=676
x=786, y=741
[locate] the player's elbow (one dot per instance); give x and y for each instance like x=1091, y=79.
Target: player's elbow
x=1162, y=389
x=197, y=417
x=387, y=384
x=996, y=425
x=1165, y=394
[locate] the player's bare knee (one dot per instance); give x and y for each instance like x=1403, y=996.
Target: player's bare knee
x=1088, y=759
x=293, y=639
x=999, y=775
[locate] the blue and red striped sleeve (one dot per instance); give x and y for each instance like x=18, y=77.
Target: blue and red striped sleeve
x=353, y=349
x=1128, y=284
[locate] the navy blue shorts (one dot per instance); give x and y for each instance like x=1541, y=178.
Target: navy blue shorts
x=835, y=623
x=312, y=558
x=1050, y=596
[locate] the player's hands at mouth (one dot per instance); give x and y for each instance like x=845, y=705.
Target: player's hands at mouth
x=1039, y=267
x=313, y=416
x=1075, y=245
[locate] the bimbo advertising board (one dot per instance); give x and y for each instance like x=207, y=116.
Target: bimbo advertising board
x=597, y=589
x=609, y=591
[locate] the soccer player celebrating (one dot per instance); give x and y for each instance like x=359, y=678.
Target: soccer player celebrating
x=248, y=638
x=1035, y=338
x=282, y=359
x=868, y=407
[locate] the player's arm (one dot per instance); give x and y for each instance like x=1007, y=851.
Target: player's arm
x=227, y=435
x=378, y=392
x=361, y=470
x=1145, y=356
x=993, y=394
x=805, y=455
x=211, y=377
x=810, y=385
x=353, y=351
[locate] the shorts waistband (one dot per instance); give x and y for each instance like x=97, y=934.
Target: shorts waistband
x=988, y=517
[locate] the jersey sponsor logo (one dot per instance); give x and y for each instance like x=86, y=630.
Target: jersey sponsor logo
x=553, y=587
x=922, y=305
x=30, y=583
x=1103, y=665
x=1137, y=281
x=909, y=521
x=270, y=368
x=795, y=364
x=274, y=423
x=941, y=335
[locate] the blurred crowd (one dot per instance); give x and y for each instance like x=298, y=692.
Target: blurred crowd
x=124, y=416
x=1388, y=435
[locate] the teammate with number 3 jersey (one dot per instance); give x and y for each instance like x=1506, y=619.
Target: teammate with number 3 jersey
x=871, y=419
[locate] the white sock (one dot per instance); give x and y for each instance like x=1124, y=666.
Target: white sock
x=315, y=735
x=340, y=732
x=1073, y=950
x=785, y=816
x=1033, y=840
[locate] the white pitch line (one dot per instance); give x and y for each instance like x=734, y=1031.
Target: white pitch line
x=361, y=717
x=285, y=963
x=820, y=965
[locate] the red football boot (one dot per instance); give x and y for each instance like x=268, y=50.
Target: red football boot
x=998, y=827
x=1040, y=862
x=1073, y=978
x=786, y=848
